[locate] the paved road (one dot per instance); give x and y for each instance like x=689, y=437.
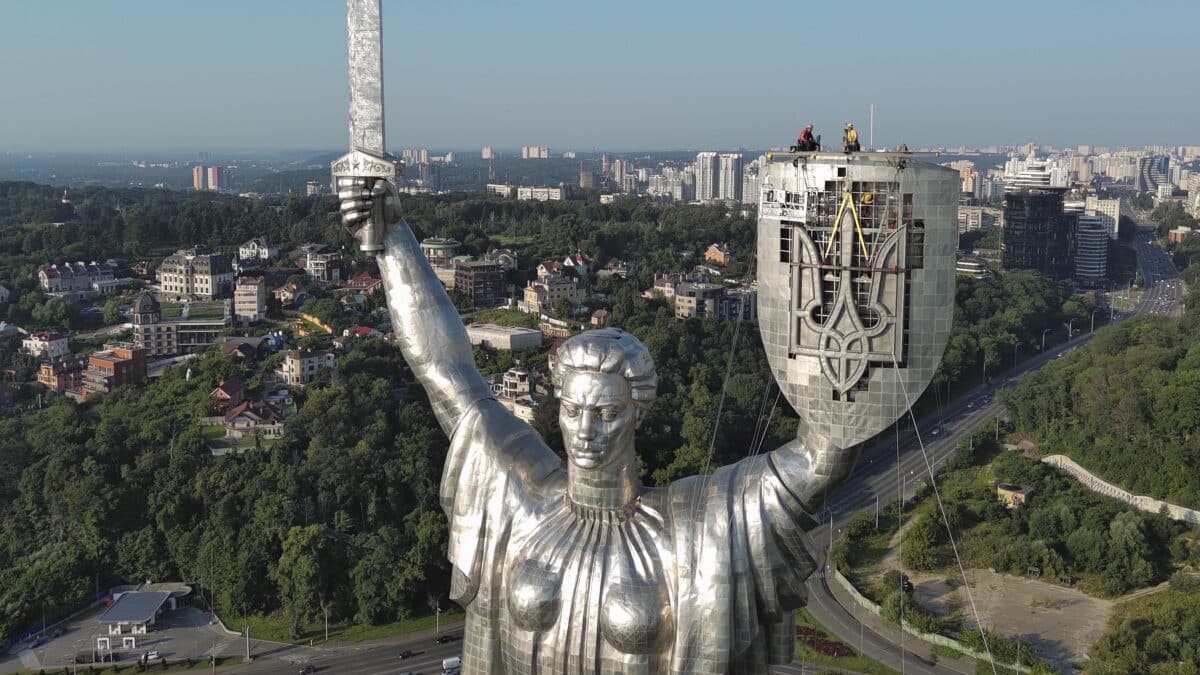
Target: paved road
x=880, y=476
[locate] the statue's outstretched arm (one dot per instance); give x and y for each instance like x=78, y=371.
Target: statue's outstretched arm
x=811, y=466
x=430, y=333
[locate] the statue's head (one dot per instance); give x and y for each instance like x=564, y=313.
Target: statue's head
x=605, y=381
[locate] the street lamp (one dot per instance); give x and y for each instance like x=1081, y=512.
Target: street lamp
x=1015, y=348
x=1044, y=339
x=1093, y=330
x=1070, y=329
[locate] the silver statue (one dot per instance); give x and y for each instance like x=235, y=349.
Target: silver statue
x=581, y=568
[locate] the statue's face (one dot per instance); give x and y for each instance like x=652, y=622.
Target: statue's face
x=597, y=417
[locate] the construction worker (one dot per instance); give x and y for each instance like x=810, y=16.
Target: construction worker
x=806, y=142
x=850, y=139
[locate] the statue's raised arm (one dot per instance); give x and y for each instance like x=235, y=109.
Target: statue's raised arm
x=431, y=334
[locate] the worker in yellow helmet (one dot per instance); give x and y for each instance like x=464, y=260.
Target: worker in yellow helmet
x=850, y=139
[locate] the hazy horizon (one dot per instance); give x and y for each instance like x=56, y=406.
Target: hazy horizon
x=270, y=76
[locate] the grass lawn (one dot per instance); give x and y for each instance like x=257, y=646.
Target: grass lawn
x=171, y=310
x=206, y=310
x=277, y=628
x=857, y=662
x=506, y=317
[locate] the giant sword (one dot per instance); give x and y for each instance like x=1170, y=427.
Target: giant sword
x=368, y=157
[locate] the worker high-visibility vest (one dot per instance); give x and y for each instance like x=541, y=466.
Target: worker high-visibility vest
x=851, y=135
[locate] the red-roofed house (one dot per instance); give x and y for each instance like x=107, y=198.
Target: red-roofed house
x=580, y=263
x=253, y=418
x=548, y=268
x=364, y=282
x=229, y=393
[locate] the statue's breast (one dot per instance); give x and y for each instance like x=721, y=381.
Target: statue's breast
x=607, y=573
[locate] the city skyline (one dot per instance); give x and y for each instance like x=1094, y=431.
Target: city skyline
x=271, y=75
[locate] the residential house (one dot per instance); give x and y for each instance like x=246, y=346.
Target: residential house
x=257, y=250
x=228, y=394
x=719, y=253
x=78, y=278
x=253, y=418
x=300, y=367
x=250, y=300
x=541, y=295
x=62, y=375
x=503, y=257
x=599, y=318
x=291, y=295
x=197, y=273
x=364, y=283
x=117, y=364
x=46, y=345
x=240, y=351
x=614, y=267
x=325, y=267
x=580, y=263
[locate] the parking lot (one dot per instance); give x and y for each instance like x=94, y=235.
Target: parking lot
x=179, y=634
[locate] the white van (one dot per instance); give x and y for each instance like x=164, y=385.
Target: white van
x=452, y=665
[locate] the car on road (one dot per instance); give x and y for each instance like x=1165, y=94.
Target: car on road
x=407, y=654
x=307, y=670
x=150, y=656
x=445, y=639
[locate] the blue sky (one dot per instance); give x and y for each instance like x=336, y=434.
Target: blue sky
x=142, y=75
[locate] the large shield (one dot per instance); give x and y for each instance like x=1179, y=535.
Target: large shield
x=856, y=284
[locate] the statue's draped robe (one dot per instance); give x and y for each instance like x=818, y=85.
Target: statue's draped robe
x=727, y=551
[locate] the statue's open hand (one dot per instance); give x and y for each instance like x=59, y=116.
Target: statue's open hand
x=369, y=207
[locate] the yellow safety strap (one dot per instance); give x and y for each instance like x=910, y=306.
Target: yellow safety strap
x=847, y=200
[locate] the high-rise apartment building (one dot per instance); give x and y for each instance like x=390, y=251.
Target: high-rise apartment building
x=729, y=176
x=197, y=178
x=216, y=178
x=1108, y=210
x=486, y=152
x=706, y=176
x=1037, y=233
x=1091, y=251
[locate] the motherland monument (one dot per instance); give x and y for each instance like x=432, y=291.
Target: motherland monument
x=576, y=566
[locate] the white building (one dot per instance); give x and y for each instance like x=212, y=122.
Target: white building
x=196, y=272
x=46, y=345
x=729, y=176
x=541, y=295
x=77, y=277
x=503, y=337
x=258, y=249
x=486, y=152
x=706, y=176
x=250, y=300
x=1107, y=210
x=300, y=367
x=503, y=190
x=541, y=194
x=324, y=266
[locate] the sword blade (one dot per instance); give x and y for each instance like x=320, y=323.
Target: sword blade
x=364, y=20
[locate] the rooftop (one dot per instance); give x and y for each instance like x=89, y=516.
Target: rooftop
x=137, y=607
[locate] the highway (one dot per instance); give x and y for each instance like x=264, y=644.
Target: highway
x=879, y=475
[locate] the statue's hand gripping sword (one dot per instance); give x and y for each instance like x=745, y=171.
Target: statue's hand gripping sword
x=368, y=157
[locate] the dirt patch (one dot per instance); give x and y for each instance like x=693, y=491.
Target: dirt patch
x=1062, y=623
